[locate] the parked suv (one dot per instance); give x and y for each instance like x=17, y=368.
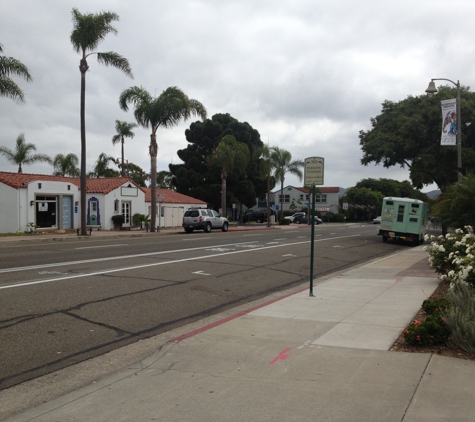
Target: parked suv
x=203, y=219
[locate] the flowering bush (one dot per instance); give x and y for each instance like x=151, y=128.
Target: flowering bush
x=429, y=332
x=452, y=255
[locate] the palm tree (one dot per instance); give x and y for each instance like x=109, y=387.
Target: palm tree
x=102, y=169
x=124, y=130
x=66, y=165
x=10, y=66
x=227, y=155
x=21, y=154
x=283, y=164
x=88, y=31
x=267, y=167
x=166, y=110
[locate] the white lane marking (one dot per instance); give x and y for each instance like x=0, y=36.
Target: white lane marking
x=112, y=258
x=282, y=238
x=156, y=264
x=337, y=246
x=200, y=273
x=289, y=254
x=194, y=238
x=103, y=246
x=272, y=243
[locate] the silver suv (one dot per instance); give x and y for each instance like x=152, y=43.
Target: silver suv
x=202, y=219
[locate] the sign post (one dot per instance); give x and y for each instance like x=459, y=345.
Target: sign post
x=314, y=171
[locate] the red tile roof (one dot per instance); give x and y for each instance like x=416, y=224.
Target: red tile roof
x=172, y=197
x=101, y=185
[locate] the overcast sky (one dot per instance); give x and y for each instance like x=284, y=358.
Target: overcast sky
x=307, y=74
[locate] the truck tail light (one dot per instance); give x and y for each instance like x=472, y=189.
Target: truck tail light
x=201, y=218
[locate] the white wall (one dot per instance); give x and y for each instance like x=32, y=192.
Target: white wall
x=9, y=221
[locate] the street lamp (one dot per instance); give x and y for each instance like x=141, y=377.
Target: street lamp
x=431, y=89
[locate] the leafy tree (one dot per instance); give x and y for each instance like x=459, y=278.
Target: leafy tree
x=164, y=180
x=390, y=187
x=365, y=197
x=10, y=66
x=282, y=163
x=88, y=31
x=22, y=154
x=456, y=206
x=197, y=178
x=124, y=130
x=166, y=111
x=407, y=133
x=102, y=169
x=66, y=165
x=136, y=173
x=228, y=155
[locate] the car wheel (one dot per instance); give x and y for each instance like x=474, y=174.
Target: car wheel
x=296, y=221
x=258, y=220
x=225, y=227
x=189, y=230
x=208, y=228
x=385, y=239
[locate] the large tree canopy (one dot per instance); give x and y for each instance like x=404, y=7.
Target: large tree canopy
x=407, y=133
x=197, y=178
x=390, y=187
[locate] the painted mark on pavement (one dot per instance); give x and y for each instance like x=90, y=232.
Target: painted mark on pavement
x=200, y=273
x=282, y=356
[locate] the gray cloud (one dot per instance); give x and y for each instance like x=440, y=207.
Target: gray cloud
x=308, y=75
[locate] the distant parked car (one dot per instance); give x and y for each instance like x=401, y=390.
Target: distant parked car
x=302, y=218
x=203, y=219
x=377, y=220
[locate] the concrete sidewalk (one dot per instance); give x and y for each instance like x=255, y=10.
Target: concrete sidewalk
x=292, y=358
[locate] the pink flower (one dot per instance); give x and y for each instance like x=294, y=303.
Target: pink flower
x=417, y=322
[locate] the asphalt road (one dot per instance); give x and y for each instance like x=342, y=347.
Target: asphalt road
x=62, y=302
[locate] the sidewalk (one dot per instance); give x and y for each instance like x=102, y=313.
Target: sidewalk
x=292, y=358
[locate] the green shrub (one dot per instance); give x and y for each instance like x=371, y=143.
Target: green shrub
x=434, y=306
x=118, y=220
x=284, y=222
x=460, y=317
x=430, y=332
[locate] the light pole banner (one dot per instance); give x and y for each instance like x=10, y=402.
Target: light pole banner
x=449, y=122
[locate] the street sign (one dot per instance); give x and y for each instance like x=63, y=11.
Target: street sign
x=313, y=171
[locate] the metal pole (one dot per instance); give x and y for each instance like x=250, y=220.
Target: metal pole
x=459, y=134
x=312, y=241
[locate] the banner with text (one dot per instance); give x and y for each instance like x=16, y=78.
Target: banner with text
x=449, y=122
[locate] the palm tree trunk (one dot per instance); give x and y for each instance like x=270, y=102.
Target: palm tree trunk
x=83, y=68
x=281, y=199
x=223, y=193
x=122, y=170
x=153, y=182
x=268, y=200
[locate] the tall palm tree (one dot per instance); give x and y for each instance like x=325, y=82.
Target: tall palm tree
x=228, y=155
x=66, y=165
x=283, y=164
x=88, y=31
x=10, y=66
x=22, y=154
x=124, y=130
x=166, y=111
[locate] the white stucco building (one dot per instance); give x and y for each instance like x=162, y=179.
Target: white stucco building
x=296, y=198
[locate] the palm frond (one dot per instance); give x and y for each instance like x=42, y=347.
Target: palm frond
x=114, y=59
